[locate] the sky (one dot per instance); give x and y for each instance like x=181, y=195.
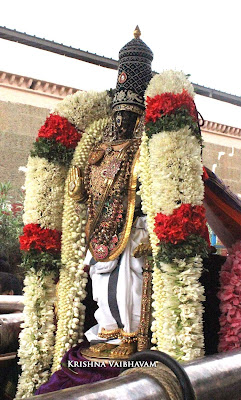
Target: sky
x=201, y=38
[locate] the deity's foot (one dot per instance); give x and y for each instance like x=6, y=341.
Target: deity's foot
x=99, y=350
x=124, y=350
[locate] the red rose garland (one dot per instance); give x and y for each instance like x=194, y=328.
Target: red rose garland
x=40, y=239
x=61, y=130
x=167, y=103
x=178, y=235
x=185, y=221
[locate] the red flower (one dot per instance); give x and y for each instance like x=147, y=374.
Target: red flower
x=40, y=239
x=61, y=130
x=230, y=301
x=185, y=221
x=167, y=103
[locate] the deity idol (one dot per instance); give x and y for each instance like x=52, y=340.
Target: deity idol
x=116, y=226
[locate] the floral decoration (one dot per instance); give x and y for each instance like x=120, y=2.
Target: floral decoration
x=46, y=193
x=37, y=335
x=167, y=103
x=41, y=239
x=176, y=179
x=172, y=193
x=178, y=119
x=61, y=130
x=184, y=221
x=230, y=304
x=169, y=81
x=56, y=140
x=73, y=278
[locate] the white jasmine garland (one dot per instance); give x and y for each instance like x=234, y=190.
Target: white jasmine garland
x=37, y=336
x=157, y=305
x=146, y=191
x=83, y=108
x=176, y=169
x=44, y=185
x=73, y=279
x=190, y=294
x=182, y=310
x=170, y=175
x=169, y=82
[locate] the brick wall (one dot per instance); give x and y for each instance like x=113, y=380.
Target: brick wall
x=19, y=125
x=228, y=165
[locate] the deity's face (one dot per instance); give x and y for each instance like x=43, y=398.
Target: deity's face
x=124, y=123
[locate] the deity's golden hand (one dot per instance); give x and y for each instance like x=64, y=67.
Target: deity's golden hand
x=76, y=187
x=143, y=249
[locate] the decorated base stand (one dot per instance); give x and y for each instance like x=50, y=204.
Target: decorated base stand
x=106, y=355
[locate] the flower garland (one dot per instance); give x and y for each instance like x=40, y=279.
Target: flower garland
x=185, y=221
x=56, y=140
x=40, y=244
x=230, y=294
x=167, y=103
x=45, y=184
x=73, y=279
x=175, y=215
x=35, y=237
x=37, y=335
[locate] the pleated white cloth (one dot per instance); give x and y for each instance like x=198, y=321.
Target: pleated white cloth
x=129, y=285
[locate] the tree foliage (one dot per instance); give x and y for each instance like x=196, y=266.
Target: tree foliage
x=11, y=225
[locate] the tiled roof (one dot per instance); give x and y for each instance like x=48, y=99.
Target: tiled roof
x=68, y=51
x=26, y=83
x=53, y=90
x=226, y=130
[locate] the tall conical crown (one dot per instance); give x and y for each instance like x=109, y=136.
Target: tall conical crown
x=134, y=74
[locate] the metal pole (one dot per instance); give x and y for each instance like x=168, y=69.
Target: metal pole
x=216, y=377
x=9, y=330
x=9, y=304
x=136, y=386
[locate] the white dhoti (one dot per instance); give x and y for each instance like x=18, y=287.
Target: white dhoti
x=117, y=285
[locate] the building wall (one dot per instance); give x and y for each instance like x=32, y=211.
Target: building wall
x=225, y=162
x=19, y=125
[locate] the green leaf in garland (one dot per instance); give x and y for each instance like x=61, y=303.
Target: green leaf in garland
x=173, y=122
x=194, y=245
x=46, y=262
x=52, y=151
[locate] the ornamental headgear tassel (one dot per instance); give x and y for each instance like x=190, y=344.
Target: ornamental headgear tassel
x=134, y=74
